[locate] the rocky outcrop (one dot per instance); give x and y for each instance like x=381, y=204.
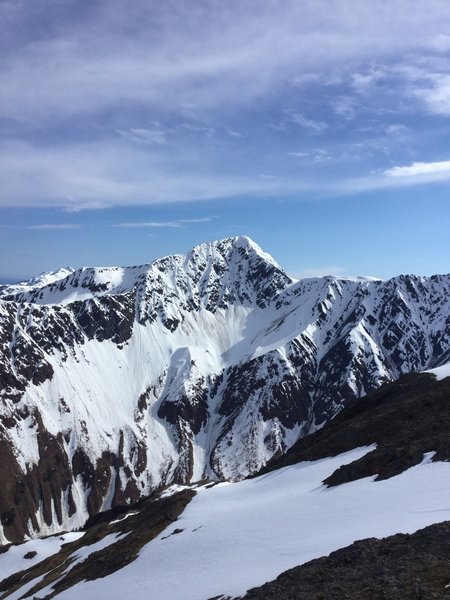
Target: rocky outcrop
x=407, y=420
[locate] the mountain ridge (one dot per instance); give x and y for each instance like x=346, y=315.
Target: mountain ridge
x=208, y=365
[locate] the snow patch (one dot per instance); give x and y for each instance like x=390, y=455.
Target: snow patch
x=13, y=560
x=440, y=372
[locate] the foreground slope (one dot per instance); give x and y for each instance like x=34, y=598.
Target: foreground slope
x=118, y=381
x=400, y=567
x=235, y=536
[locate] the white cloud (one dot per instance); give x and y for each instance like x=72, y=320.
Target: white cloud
x=306, y=78
x=318, y=272
x=163, y=224
x=437, y=96
x=344, y=106
x=317, y=126
x=233, y=133
x=396, y=129
x=202, y=129
x=420, y=168
x=418, y=173
x=159, y=55
x=317, y=155
x=145, y=136
x=321, y=155
x=150, y=224
x=131, y=71
x=46, y=226
x=441, y=43
x=363, y=83
x=105, y=174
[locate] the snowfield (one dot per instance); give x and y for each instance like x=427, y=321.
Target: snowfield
x=239, y=535
x=441, y=372
x=14, y=559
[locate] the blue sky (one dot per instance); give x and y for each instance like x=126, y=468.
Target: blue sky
x=133, y=130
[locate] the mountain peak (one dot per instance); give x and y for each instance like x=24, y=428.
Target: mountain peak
x=243, y=244
x=239, y=257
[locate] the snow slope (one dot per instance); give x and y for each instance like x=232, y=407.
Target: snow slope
x=236, y=536
x=117, y=381
x=441, y=372
x=14, y=559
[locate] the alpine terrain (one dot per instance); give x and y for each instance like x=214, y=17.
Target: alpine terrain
x=118, y=382
x=358, y=510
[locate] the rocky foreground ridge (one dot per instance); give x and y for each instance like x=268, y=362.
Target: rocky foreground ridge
x=115, y=382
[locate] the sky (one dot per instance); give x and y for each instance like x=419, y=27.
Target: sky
x=133, y=130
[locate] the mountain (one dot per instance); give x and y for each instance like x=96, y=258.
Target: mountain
x=116, y=382
x=35, y=283
x=304, y=528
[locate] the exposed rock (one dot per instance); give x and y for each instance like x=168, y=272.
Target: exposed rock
x=406, y=419
x=399, y=567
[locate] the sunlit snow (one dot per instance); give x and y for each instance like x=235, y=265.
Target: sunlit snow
x=441, y=372
x=13, y=560
x=239, y=535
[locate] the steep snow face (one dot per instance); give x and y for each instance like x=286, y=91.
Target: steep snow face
x=117, y=381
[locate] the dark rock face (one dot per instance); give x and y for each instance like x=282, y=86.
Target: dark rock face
x=115, y=382
x=405, y=419
x=399, y=567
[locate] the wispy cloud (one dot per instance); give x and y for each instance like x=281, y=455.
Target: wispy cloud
x=363, y=83
x=316, y=126
x=145, y=136
x=236, y=56
x=419, y=169
x=317, y=155
x=163, y=224
x=435, y=93
x=202, y=129
x=233, y=133
x=49, y=226
x=345, y=106
x=416, y=174
x=441, y=42
x=397, y=129
x=45, y=226
x=143, y=105
x=318, y=272
x=101, y=175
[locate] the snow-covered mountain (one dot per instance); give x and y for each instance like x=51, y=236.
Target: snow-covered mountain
x=35, y=283
x=117, y=381
x=380, y=468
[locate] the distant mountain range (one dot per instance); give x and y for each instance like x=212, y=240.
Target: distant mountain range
x=116, y=382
